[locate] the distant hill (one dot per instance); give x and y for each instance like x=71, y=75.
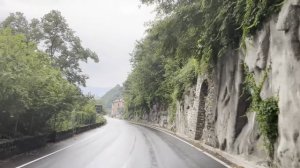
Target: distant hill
x=98, y=92
x=110, y=96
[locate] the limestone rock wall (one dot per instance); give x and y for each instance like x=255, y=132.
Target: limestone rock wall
x=219, y=117
x=215, y=110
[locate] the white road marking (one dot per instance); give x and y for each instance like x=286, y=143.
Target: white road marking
x=45, y=156
x=161, y=130
x=193, y=146
x=28, y=163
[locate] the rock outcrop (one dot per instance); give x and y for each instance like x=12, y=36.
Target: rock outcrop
x=216, y=109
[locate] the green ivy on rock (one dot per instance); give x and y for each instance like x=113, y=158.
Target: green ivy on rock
x=186, y=40
x=266, y=110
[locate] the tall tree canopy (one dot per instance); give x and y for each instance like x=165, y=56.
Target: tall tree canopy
x=30, y=85
x=57, y=39
x=39, y=76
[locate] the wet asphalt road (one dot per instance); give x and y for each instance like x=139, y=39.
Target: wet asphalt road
x=118, y=144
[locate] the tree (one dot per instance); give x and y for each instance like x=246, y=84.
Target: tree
x=57, y=40
x=64, y=47
x=187, y=39
x=18, y=23
x=32, y=90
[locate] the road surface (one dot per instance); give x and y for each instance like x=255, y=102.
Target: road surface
x=118, y=144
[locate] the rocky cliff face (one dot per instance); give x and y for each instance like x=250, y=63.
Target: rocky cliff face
x=216, y=110
x=284, y=57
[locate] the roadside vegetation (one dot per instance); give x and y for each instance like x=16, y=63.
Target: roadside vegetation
x=267, y=110
x=186, y=40
x=40, y=77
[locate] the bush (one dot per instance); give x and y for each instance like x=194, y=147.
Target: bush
x=267, y=111
x=267, y=117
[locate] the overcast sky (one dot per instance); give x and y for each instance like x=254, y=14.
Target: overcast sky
x=108, y=27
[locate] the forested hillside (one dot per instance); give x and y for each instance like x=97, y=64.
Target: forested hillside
x=185, y=41
x=113, y=94
x=40, y=76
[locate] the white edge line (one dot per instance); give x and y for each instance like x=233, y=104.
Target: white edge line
x=204, y=152
x=40, y=158
x=161, y=130
x=46, y=156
